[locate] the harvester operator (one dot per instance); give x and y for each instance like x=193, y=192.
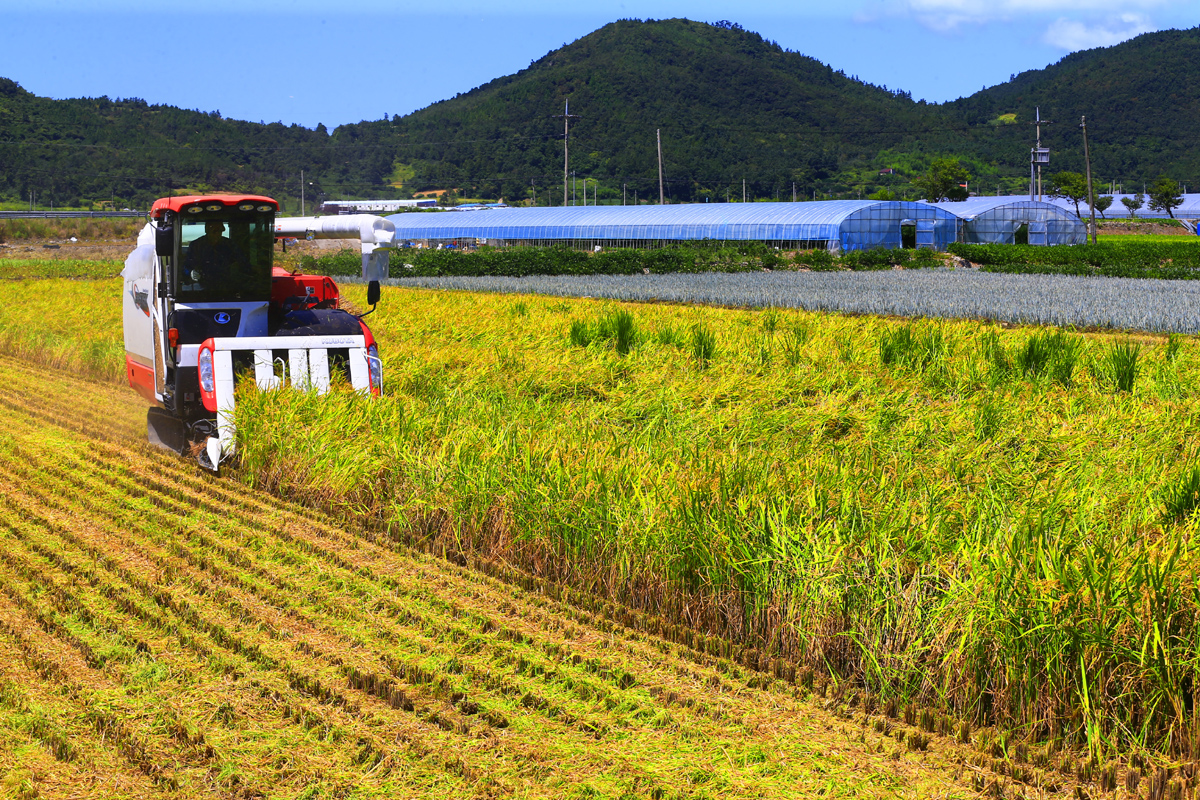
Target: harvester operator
x=214, y=260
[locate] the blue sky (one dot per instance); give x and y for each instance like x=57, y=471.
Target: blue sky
x=310, y=62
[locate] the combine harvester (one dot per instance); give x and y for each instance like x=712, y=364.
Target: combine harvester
x=203, y=302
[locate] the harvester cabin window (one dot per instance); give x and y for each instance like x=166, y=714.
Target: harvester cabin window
x=225, y=260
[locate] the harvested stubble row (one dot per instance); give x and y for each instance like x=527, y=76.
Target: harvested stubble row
x=168, y=633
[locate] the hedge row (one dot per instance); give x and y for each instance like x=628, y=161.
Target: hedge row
x=1167, y=260
x=522, y=261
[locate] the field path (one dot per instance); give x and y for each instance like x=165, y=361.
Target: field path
x=166, y=632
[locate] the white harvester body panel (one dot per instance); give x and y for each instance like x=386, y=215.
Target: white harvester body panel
x=139, y=299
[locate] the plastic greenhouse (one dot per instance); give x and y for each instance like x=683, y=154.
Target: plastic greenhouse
x=834, y=224
x=1006, y=220
x=1190, y=209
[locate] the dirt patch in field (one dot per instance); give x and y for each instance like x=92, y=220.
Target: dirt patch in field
x=68, y=251
x=1125, y=226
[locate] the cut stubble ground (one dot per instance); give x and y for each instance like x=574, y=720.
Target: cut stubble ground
x=168, y=632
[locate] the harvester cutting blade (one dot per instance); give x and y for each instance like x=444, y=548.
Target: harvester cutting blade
x=165, y=430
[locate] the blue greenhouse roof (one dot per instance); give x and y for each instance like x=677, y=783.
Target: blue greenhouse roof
x=975, y=206
x=718, y=221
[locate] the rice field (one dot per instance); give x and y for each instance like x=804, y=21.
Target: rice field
x=975, y=517
x=33, y=268
x=166, y=633
x=954, y=520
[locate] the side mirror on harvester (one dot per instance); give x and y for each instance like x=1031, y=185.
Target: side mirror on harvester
x=164, y=240
x=372, y=293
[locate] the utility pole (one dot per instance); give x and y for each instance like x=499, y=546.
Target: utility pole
x=1040, y=155
x=302, y=193
x=658, y=136
x=566, y=118
x=1088, y=164
x=622, y=194
x=793, y=191
x=572, y=187
x=533, y=187
x=743, y=190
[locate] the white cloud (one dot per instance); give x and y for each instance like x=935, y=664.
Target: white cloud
x=1071, y=35
x=950, y=15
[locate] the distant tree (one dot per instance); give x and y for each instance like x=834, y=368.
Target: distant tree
x=883, y=194
x=1070, y=186
x=448, y=198
x=1165, y=196
x=1133, y=204
x=944, y=181
x=1102, y=203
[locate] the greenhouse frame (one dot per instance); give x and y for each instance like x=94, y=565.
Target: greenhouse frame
x=1005, y=220
x=837, y=225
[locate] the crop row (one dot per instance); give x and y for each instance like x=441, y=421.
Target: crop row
x=215, y=641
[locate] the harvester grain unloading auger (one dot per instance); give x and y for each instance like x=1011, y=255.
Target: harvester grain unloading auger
x=203, y=301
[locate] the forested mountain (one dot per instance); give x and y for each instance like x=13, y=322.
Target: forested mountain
x=126, y=151
x=730, y=105
x=1141, y=100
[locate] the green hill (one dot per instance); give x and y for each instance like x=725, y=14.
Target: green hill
x=731, y=106
x=1141, y=102
x=126, y=151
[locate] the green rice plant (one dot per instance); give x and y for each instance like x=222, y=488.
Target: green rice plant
x=765, y=352
x=1035, y=355
x=1167, y=382
x=846, y=349
x=887, y=416
x=1174, y=341
x=622, y=329
x=996, y=356
x=1181, y=497
x=1065, y=351
x=770, y=320
x=903, y=346
x=668, y=336
x=794, y=340
x=897, y=346
x=520, y=309
x=989, y=417
x=1119, y=365
x=704, y=344
x=581, y=334
x=619, y=327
